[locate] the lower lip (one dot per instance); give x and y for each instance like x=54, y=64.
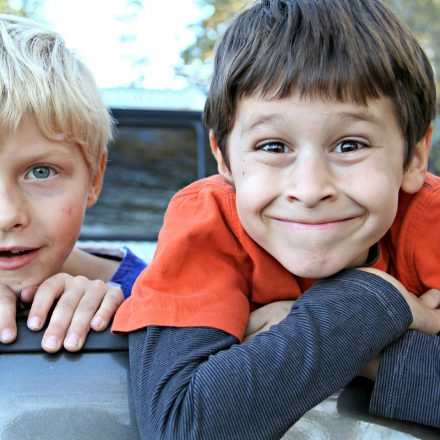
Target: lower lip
x=18, y=262
x=315, y=226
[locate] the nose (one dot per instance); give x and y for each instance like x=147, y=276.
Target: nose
x=13, y=215
x=312, y=180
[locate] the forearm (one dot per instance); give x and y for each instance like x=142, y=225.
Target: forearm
x=123, y=272
x=408, y=382
x=194, y=382
x=91, y=266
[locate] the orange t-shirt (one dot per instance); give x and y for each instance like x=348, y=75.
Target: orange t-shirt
x=208, y=272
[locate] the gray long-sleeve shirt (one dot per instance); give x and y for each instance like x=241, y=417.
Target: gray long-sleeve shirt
x=201, y=383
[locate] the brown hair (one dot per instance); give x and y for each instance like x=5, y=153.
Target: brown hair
x=349, y=50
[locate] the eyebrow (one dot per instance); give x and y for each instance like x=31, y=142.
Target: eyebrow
x=361, y=116
x=43, y=154
x=350, y=116
x=261, y=120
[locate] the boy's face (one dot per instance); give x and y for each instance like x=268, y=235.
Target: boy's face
x=45, y=188
x=317, y=182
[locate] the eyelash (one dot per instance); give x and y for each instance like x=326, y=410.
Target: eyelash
x=266, y=147
x=360, y=145
x=278, y=147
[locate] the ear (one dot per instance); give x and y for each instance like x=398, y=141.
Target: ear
x=222, y=166
x=98, y=179
x=414, y=175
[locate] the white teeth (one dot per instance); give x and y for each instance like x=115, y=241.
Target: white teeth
x=15, y=252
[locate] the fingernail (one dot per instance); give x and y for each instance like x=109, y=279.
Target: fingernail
x=34, y=323
x=8, y=336
x=72, y=340
x=97, y=322
x=50, y=342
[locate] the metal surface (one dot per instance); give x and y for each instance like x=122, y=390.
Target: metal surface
x=344, y=416
x=66, y=396
x=87, y=396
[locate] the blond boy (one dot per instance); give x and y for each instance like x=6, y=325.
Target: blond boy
x=54, y=131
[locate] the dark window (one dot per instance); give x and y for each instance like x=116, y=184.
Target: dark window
x=154, y=155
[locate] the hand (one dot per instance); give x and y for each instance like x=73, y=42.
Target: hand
x=425, y=309
x=263, y=318
x=370, y=371
x=431, y=298
x=82, y=305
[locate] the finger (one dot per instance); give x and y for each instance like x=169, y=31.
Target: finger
x=28, y=293
x=94, y=293
x=44, y=298
x=257, y=320
x=62, y=315
x=431, y=298
x=425, y=319
x=112, y=300
x=8, y=311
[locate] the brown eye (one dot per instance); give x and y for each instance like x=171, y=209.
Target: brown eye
x=348, y=146
x=274, y=147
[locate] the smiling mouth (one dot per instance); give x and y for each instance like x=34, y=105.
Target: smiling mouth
x=12, y=253
x=326, y=224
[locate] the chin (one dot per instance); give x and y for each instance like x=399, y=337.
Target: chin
x=314, y=269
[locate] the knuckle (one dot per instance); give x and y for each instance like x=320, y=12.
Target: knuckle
x=86, y=304
x=99, y=284
x=116, y=296
x=80, y=280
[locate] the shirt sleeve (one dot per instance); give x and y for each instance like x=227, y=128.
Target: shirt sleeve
x=407, y=386
x=200, y=383
x=199, y=273
x=416, y=238
x=129, y=269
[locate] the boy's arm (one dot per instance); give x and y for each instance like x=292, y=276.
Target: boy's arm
x=199, y=382
x=407, y=385
x=407, y=373
x=89, y=265
x=123, y=268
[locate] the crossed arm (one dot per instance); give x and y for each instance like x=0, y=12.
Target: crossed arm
x=406, y=372
x=197, y=382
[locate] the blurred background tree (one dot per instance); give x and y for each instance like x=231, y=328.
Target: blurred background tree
x=26, y=8
x=196, y=59
x=422, y=16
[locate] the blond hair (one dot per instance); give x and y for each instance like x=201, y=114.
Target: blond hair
x=42, y=78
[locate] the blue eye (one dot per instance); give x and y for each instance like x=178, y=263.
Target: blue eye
x=40, y=172
x=274, y=147
x=349, y=146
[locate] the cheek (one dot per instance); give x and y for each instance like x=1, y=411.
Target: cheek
x=381, y=202
x=70, y=218
x=67, y=210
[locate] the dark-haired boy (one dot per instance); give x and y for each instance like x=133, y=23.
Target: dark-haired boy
x=320, y=120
